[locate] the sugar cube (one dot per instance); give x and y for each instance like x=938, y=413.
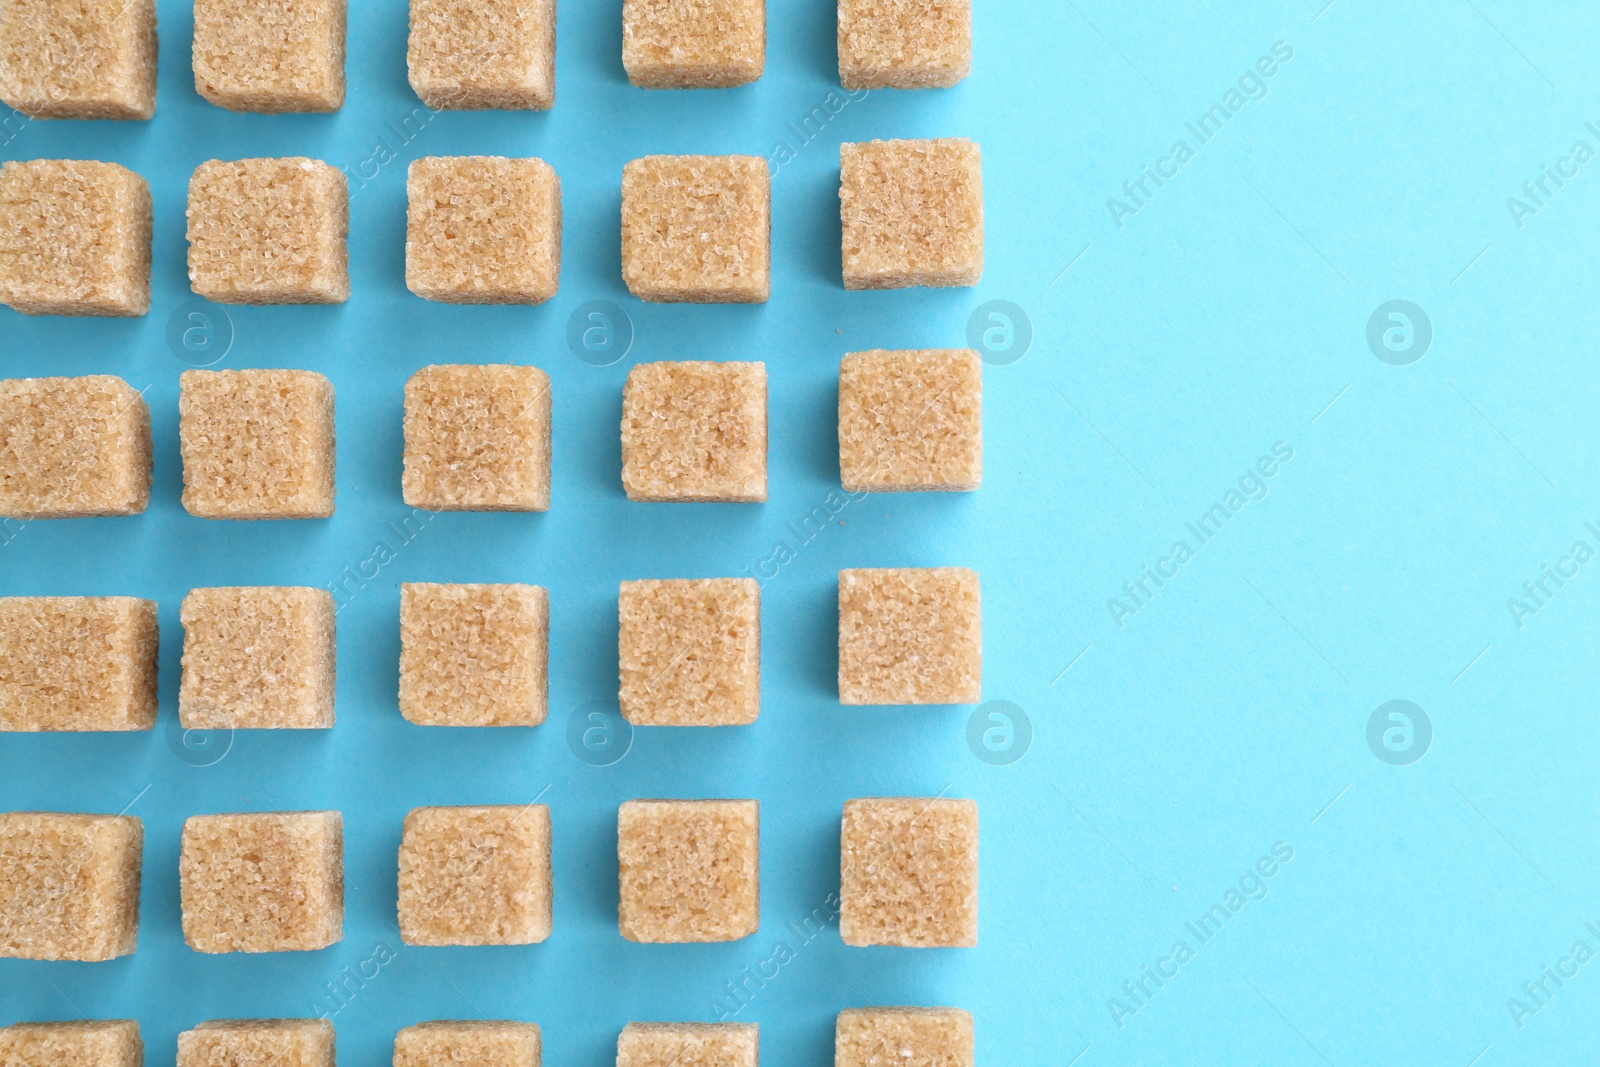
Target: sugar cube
x=693, y=44
x=697, y=229
x=483, y=230
x=908, y=870
x=904, y=44
x=73, y=447
x=909, y=635
x=77, y=663
x=690, y=652
x=912, y=213
x=69, y=886
x=475, y=875
x=257, y=658
x=256, y=444
x=911, y=421
x=269, y=56
x=262, y=881
x=91, y=1043
x=905, y=1037
x=695, y=430
x=474, y=655
x=481, y=1043
x=476, y=54
x=95, y=59
x=477, y=438
x=258, y=1043
x=269, y=231
x=689, y=870
x=688, y=1045
x=74, y=238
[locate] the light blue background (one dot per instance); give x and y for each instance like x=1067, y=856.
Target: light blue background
x=1228, y=715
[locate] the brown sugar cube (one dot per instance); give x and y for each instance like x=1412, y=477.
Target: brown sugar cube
x=269, y=56
x=69, y=886
x=262, y=882
x=483, y=230
x=257, y=658
x=906, y=1037
x=77, y=663
x=909, y=872
x=693, y=44
x=95, y=59
x=904, y=44
x=474, y=655
x=74, y=238
x=912, y=213
x=909, y=635
x=269, y=231
x=256, y=444
x=690, y=652
x=688, y=1045
x=477, y=438
x=258, y=1043
x=689, y=870
x=471, y=55
x=73, y=447
x=475, y=875
x=911, y=421
x=695, y=430
x=479, y=1043
x=113, y=1043
x=697, y=229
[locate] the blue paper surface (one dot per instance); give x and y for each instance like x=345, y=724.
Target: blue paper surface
x=1193, y=317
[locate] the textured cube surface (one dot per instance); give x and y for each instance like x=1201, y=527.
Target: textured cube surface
x=69, y=886
x=477, y=439
x=690, y=651
x=483, y=230
x=908, y=870
x=689, y=870
x=910, y=635
x=270, y=56
x=911, y=420
x=697, y=229
x=96, y=1043
x=258, y=1043
x=693, y=44
x=476, y=54
x=912, y=213
x=474, y=655
x=256, y=444
x=904, y=1037
x=262, y=882
x=475, y=875
x=458, y=1044
x=269, y=231
x=904, y=44
x=72, y=447
x=74, y=238
x=93, y=59
x=688, y=1045
x=257, y=658
x=695, y=430
x=77, y=663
